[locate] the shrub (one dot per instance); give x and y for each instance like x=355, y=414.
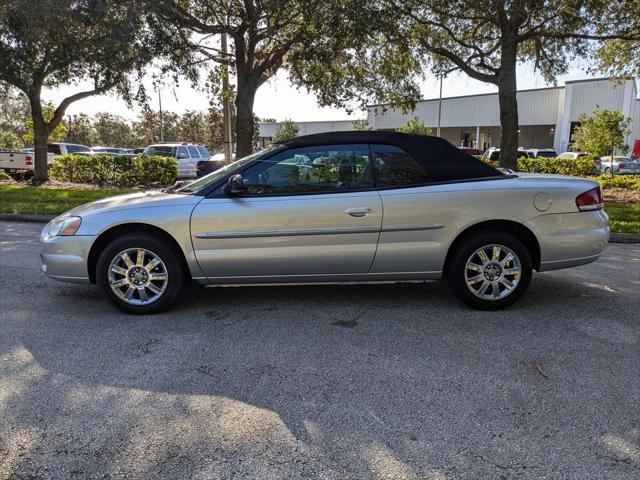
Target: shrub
x=581, y=167
x=116, y=170
x=625, y=182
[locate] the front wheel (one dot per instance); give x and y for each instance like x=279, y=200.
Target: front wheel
x=490, y=271
x=140, y=274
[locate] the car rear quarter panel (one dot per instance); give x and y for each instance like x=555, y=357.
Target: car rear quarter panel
x=448, y=210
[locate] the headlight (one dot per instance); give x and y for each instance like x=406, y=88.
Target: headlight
x=65, y=226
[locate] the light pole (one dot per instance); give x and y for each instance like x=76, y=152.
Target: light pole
x=441, y=76
x=226, y=107
x=161, y=119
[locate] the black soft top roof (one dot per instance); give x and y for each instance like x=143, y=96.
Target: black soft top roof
x=442, y=160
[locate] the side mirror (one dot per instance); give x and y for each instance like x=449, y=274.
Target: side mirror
x=235, y=185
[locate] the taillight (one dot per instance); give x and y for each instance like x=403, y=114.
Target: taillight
x=590, y=200
x=622, y=165
x=28, y=160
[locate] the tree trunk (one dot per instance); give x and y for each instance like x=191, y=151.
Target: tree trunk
x=244, y=117
x=40, y=139
x=507, y=89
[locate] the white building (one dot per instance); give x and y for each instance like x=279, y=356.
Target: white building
x=547, y=116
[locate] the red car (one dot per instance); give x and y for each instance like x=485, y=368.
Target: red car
x=635, y=153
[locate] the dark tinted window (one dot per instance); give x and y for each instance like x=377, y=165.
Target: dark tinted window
x=162, y=150
x=55, y=149
x=78, y=149
x=312, y=169
x=395, y=168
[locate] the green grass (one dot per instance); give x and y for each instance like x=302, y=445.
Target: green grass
x=624, y=216
x=48, y=201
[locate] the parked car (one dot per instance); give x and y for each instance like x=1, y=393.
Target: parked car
x=635, y=151
x=57, y=149
x=597, y=163
x=620, y=164
x=492, y=154
x=212, y=164
x=471, y=151
x=20, y=163
x=385, y=206
x=111, y=150
x=541, y=152
x=187, y=154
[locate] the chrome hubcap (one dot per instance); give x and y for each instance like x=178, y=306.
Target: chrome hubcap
x=492, y=272
x=138, y=276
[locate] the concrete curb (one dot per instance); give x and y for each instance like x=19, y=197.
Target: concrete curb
x=25, y=217
x=17, y=217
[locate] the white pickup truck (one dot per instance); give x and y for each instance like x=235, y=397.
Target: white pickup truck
x=14, y=163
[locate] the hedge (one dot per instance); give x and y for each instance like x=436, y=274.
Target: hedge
x=580, y=167
x=115, y=170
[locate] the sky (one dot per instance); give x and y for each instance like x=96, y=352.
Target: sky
x=279, y=99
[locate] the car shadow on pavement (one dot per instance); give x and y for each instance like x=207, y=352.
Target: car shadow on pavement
x=268, y=380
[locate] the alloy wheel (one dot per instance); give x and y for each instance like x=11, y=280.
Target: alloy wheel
x=492, y=272
x=138, y=276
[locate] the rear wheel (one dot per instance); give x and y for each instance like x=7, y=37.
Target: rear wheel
x=140, y=274
x=490, y=271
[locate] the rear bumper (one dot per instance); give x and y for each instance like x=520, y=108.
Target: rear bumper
x=65, y=258
x=570, y=239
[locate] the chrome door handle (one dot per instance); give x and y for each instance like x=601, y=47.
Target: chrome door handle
x=358, y=211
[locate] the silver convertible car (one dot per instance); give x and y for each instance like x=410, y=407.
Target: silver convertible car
x=339, y=207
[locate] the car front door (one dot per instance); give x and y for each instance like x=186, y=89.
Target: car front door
x=289, y=223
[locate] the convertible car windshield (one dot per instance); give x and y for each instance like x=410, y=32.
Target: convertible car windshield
x=201, y=183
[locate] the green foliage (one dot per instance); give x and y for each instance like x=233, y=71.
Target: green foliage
x=602, y=132
x=580, y=167
x=80, y=130
x=4, y=177
x=28, y=199
x=58, y=134
x=10, y=140
x=623, y=216
x=415, y=126
x=112, y=131
x=124, y=171
x=14, y=109
x=286, y=130
x=361, y=125
x=624, y=182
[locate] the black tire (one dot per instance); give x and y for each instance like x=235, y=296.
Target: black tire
x=175, y=271
x=457, y=268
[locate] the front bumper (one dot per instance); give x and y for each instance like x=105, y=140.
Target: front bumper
x=66, y=258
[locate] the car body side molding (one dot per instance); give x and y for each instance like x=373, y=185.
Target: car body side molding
x=311, y=231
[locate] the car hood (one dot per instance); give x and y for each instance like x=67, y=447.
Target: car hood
x=133, y=200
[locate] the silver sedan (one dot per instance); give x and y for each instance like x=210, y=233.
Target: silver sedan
x=377, y=207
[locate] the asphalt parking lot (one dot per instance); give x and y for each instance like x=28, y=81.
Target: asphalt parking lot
x=386, y=381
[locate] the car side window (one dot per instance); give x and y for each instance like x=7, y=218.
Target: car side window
x=55, y=149
x=327, y=168
x=203, y=151
x=395, y=167
x=182, y=153
x=193, y=151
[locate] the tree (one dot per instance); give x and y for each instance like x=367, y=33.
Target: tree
x=48, y=43
x=14, y=110
x=415, y=126
x=193, y=126
x=264, y=36
x=146, y=130
x=362, y=124
x=58, y=134
x=601, y=133
x=112, y=131
x=80, y=130
x=286, y=130
x=10, y=141
x=486, y=40
x=620, y=57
